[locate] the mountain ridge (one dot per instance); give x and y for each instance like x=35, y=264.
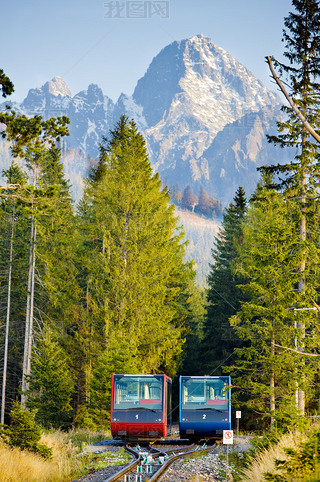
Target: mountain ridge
x=191, y=92
x=204, y=117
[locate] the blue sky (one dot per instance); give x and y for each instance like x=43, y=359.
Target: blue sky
x=79, y=41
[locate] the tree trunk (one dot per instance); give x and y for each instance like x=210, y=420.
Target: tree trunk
x=301, y=285
x=29, y=314
x=6, y=342
x=30, y=337
x=272, y=395
x=272, y=399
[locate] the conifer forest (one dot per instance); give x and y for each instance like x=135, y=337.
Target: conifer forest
x=102, y=286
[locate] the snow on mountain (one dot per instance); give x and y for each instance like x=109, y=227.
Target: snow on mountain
x=127, y=105
x=90, y=113
x=213, y=90
x=156, y=89
x=91, y=117
x=52, y=99
x=238, y=149
x=57, y=86
x=204, y=117
x=191, y=105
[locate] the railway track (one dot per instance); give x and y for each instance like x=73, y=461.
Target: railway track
x=152, y=462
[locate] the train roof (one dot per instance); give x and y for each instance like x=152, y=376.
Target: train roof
x=141, y=375
x=205, y=376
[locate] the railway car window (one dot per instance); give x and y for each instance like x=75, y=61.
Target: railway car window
x=133, y=392
x=204, y=393
x=169, y=402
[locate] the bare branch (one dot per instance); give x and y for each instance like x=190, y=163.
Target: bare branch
x=315, y=304
x=292, y=104
x=296, y=351
x=15, y=196
x=12, y=186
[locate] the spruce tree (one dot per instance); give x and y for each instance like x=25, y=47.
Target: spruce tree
x=136, y=281
x=224, y=296
x=192, y=352
x=51, y=385
x=6, y=86
x=300, y=179
x=203, y=207
x=58, y=299
x=56, y=243
x=13, y=270
x=189, y=200
x=267, y=372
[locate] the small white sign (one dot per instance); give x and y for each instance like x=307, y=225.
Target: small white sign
x=228, y=437
x=238, y=414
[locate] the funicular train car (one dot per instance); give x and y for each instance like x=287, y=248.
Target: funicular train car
x=205, y=406
x=141, y=406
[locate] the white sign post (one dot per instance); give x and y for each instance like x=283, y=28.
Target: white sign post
x=228, y=437
x=238, y=416
x=228, y=440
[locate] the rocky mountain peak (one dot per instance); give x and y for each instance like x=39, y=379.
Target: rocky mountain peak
x=205, y=79
x=160, y=83
x=56, y=86
x=194, y=105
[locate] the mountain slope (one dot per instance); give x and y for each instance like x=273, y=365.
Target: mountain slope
x=204, y=116
x=213, y=90
x=192, y=105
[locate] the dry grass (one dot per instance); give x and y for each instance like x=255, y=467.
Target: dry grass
x=16, y=465
x=265, y=460
x=77, y=438
x=65, y=465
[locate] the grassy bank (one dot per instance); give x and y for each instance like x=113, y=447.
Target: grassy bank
x=274, y=458
x=264, y=461
x=66, y=464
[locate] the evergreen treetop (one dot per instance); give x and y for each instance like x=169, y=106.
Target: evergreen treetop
x=223, y=295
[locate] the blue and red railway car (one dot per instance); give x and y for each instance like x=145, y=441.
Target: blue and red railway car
x=205, y=406
x=141, y=406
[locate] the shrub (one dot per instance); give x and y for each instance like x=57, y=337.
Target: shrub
x=301, y=462
x=24, y=432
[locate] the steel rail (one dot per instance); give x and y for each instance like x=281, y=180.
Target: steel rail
x=128, y=468
x=160, y=472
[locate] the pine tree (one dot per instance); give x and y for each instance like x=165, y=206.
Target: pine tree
x=24, y=432
x=47, y=213
x=192, y=353
x=266, y=370
x=12, y=273
x=136, y=280
x=56, y=244
x=189, y=200
x=224, y=296
x=203, y=206
x=300, y=179
x=7, y=87
x=51, y=386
